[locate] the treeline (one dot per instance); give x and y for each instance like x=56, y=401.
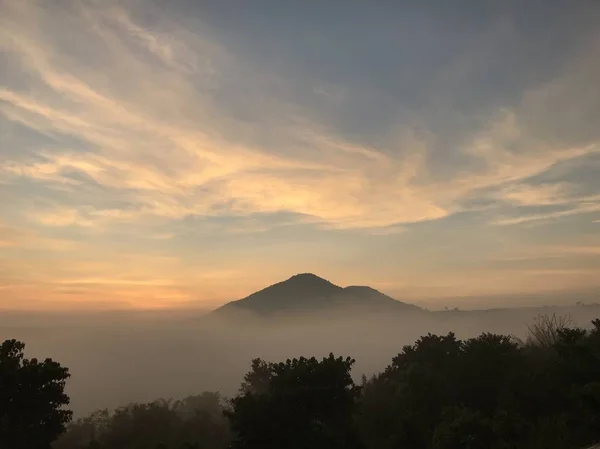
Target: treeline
x=488, y=392
x=196, y=422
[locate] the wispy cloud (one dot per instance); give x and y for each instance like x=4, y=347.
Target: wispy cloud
x=140, y=119
x=65, y=217
x=535, y=195
x=26, y=239
x=584, y=208
x=137, y=153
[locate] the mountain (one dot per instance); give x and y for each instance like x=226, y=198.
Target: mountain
x=306, y=293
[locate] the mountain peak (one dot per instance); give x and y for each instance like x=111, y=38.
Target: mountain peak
x=309, y=292
x=307, y=278
x=301, y=286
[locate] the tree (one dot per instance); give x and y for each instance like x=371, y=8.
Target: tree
x=486, y=369
x=84, y=432
x=545, y=329
x=204, y=423
x=196, y=422
x=443, y=393
x=488, y=392
x=297, y=404
x=461, y=428
x=141, y=426
x=402, y=405
x=32, y=399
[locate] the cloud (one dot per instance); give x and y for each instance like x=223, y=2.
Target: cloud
x=391, y=230
x=65, y=217
x=584, y=208
x=550, y=251
x=169, y=168
x=26, y=239
x=579, y=250
x=535, y=195
x=484, y=282
x=142, y=122
x=558, y=194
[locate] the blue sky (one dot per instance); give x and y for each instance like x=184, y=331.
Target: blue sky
x=166, y=154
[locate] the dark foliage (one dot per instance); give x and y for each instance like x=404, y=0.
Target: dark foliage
x=196, y=422
x=31, y=399
x=488, y=392
x=300, y=403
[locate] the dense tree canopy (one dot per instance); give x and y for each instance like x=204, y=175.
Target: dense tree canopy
x=487, y=392
x=196, y=422
x=32, y=398
x=300, y=403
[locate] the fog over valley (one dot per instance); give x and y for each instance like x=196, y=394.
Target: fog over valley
x=287, y=225
x=117, y=357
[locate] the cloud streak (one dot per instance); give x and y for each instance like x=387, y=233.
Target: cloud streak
x=147, y=121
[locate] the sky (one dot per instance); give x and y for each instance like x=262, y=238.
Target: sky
x=187, y=153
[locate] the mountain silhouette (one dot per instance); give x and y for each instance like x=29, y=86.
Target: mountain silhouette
x=307, y=292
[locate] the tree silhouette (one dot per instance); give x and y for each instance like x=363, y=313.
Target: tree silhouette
x=32, y=398
x=545, y=329
x=196, y=422
x=301, y=403
x=487, y=392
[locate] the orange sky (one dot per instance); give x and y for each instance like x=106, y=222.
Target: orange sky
x=154, y=158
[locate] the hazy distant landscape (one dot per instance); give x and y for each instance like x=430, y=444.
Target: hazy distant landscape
x=128, y=356
x=262, y=224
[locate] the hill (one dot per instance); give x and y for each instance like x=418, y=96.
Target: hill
x=307, y=293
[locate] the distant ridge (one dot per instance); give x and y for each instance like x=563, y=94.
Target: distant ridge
x=307, y=292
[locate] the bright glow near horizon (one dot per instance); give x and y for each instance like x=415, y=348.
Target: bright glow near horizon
x=169, y=156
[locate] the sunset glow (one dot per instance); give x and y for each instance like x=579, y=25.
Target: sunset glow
x=158, y=155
